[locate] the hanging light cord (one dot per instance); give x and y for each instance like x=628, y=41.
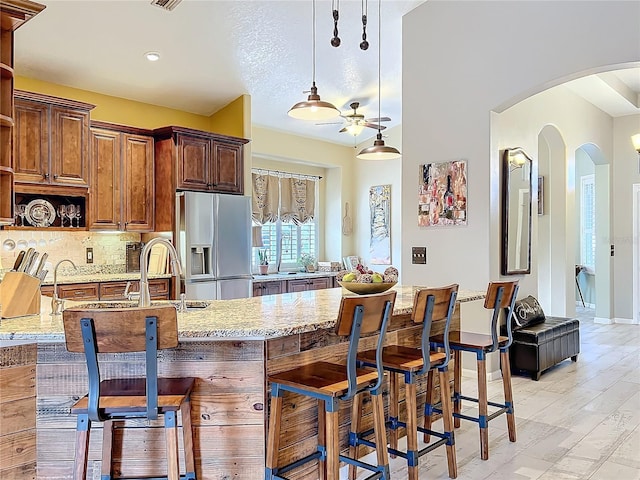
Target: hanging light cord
x=379, y=48
x=364, y=6
x=335, y=10
x=313, y=42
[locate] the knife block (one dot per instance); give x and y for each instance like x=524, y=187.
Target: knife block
x=19, y=295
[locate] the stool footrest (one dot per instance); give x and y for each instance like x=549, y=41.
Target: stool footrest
x=275, y=472
x=378, y=472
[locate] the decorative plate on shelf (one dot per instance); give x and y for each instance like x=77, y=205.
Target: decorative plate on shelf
x=367, y=288
x=40, y=213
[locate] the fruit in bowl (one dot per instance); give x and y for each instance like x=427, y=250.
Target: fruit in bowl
x=363, y=281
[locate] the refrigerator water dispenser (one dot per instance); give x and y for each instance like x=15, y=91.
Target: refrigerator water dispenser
x=200, y=260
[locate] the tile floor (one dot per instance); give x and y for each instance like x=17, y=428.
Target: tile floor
x=579, y=421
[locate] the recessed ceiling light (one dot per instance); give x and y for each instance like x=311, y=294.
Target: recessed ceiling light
x=152, y=56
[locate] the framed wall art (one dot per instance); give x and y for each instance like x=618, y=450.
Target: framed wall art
x=540, y=195
x=442, y=194
x=380, y=225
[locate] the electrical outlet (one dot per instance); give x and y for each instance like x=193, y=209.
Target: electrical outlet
x=419, y=255
x=89, y=255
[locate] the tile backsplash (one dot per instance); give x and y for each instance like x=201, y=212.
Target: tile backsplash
x=108, y=248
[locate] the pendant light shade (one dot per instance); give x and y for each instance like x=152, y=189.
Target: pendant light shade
x=313, y=108
x=379, y=151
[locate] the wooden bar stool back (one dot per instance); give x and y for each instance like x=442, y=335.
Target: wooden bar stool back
x=331, y=383
x=500, y=296
x=124, y=330
x=430, y=306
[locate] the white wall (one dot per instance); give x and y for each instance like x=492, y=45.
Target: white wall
x=278, y=150
x=368, y=173
x=625, y=174
x=462, y=60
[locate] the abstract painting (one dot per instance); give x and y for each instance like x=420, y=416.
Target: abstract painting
x=442, y=195
x=380, y=243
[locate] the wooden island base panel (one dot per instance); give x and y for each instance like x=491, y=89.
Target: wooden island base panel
x=230, y=346
x=17, y=410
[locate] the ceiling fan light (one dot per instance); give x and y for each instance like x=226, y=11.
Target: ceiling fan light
x=379, y=151
x=313, y=108
x=355, y=129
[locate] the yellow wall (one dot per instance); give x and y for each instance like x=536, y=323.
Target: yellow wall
x=143, y=115
x=229, y=119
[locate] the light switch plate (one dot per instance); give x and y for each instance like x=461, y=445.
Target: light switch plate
x=419, y=255
x=89, y=255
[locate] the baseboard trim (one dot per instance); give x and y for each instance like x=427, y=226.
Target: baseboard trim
x=602, y=320
x=626, y=321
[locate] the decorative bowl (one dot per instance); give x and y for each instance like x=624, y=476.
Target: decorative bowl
x=367, y=288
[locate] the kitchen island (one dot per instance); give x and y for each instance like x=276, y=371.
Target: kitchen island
x=230, y=346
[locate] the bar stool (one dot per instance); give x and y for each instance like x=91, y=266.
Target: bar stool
x=121, y=330
x=500, y=295
x=331, y=383
x=429, y=306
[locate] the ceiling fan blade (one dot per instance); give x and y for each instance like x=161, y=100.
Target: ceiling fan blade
x=375, y=126
x=330, y=123
x=381, y=119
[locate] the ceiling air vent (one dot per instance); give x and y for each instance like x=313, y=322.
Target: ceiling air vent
x=166, y=4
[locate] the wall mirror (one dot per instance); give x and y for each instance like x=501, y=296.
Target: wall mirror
x=516, y=212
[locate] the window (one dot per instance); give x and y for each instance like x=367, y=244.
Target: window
x=588, y=221
x=285, y=241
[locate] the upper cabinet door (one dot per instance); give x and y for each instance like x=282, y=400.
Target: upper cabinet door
x=31, y=142
x=70, y=146
x=194, y=162
x=138, y=186
x=106, y=169
x=228, y=172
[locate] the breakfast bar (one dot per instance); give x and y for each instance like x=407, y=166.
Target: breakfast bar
x=230, y=346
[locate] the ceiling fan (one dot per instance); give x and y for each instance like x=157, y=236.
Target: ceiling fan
x=356, y=121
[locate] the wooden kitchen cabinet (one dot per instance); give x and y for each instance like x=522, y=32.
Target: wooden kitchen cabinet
x=187, y=159
x=158, y=288
x=13, y=14
x=194, y=162
x=74, y=291
x=122, y=180
x=269, y=288
x=306, y=284
x=51, y=141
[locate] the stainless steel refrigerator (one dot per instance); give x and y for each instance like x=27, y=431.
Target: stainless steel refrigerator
x=213, y=238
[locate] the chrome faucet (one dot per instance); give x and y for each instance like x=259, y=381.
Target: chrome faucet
x=57, y=304
x=145, y=296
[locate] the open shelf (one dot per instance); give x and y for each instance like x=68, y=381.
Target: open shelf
x=56, y=201
x=6, y=185
x=6, y=71
x=6, y=121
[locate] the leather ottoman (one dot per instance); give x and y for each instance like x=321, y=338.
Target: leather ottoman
x=538, y=347
x=540, y=342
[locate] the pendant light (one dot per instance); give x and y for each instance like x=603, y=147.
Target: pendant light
x=314, y=108
x=379, y=151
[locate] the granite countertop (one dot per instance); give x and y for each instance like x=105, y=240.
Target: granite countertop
x=98, y=277
x=272, y=277
x=269, y=316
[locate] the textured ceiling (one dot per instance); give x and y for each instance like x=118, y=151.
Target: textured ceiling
x=214, y=51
